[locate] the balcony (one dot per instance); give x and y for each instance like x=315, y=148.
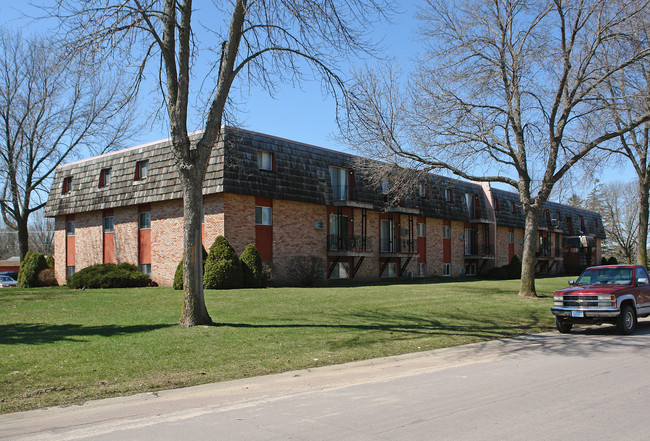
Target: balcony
x=338, y=245
x=402, y=247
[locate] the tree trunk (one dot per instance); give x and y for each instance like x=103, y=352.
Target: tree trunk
x=642, y=242
x=23, y=237
x=527, y=287
x=194, y=311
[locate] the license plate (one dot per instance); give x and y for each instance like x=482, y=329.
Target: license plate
x=577, y=314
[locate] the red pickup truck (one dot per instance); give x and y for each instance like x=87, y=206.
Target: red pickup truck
x=616, y=294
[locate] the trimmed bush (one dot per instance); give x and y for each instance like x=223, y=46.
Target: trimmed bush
x=612, y=261
x=50, y=261
x=109, y=275
x=222, y=267
x=32, y=264
x=306, y=269
x=252, y=270
x=46, y=277
x=178, y=275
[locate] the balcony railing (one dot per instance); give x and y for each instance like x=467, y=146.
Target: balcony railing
x=336, y=242
x=344, y=193
x=404, y=246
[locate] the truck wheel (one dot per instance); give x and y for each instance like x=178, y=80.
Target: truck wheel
x=626, y=322
x=564, y=326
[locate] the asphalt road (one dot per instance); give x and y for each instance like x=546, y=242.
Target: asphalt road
x=590, y=385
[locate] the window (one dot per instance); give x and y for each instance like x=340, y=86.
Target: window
x=449, y=195
x=496, y=204
x=341, y=271
x=141, y=170
x=387, y=235
x=422, y=269
x=264, y=160
x=422, y=230
x=511, y=237
x=446, y=269
x=642, y=273
x=339, y=231
x=469, y=242
x=390, y=270
x=69, y=270
x=108, y=224
x=145, y=268
x=422, y=190
x=144, y=220
x=469, y=203
x=104, y=177
x=470, y=269
x=513, y=206
x=385, y=186
x=67, y=184
x=339, y=179
x=263, y=216
x=69, y=228
x=446, y=232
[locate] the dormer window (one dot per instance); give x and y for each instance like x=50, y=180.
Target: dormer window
x=104, y=177
x=385, y=186
x=513, y=206
x=67, y=184
x=141, y=170
x=265, y=160
x=449, y=195
x=422, y=190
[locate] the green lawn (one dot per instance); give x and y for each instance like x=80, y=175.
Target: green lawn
x=60, y=346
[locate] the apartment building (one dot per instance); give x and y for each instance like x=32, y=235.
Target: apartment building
x=291, y=199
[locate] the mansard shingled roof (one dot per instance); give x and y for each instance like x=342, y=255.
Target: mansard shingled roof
x=301, y=174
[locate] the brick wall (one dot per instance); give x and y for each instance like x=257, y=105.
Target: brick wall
x=166, y=240
x=239, y=220
x=213, y=221
x=126, y=234
x=89, y=239
x=59, y=249
x=434, y=247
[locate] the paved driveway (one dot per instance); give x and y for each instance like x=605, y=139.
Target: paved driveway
x=592, y=384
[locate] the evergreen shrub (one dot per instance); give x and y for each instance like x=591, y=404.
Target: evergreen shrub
x=109, y=275
x=252, y=269
x=31, y=265
x=178, y=275
x=222, y=268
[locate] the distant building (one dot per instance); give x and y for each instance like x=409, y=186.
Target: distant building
x=292, y=199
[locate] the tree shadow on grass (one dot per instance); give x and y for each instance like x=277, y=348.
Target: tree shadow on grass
x=41, y=333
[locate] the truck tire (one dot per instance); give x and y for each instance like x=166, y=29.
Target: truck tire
x=564, y=326
x=626, y=321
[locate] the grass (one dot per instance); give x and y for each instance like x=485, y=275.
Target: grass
x=60, y=346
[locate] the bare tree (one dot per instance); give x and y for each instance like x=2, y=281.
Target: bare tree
x=50, y=107
x=621, y=217
x=260, y=41
x=506, y=92
x=8, y=242
x=41, y=234
x=631, y=92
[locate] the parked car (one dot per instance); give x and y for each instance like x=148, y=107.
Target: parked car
x=6, y=281
x=616, y=294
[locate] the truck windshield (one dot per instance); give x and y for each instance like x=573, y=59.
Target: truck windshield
x=606, y=276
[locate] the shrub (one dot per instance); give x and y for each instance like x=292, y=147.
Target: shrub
x=50, y=261
x=498, y=273
x=306, y=269
x=46, y=277
x=32, y=264
x=178, y=275
x=222, y=267
x=514, y=268
x=109, y=275
x=603, y=260
x=612, y=261
x=252, y=270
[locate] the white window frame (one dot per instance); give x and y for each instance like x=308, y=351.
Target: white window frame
x=422, y=269
x=446, y=269
x=422, y=190
x=69, y=228
x=110, y=220
x=339, y=181
x=265, y=160
x=422, y=229
x=341, y=271
x=446, y=231
x=144, y=220
x=511, y=237
x=263, y=215
x=391, y=271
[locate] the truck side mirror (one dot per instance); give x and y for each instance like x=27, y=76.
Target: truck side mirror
x=642, y=281
x=572, y=282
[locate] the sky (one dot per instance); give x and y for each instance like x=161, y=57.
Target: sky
x=301, y=113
